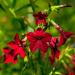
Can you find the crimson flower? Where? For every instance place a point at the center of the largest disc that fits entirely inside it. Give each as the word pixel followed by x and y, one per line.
pixel 40 18
pixel 16 48
pixel 55 53
pixel 38 40
pixel 55 43
pixel 63 37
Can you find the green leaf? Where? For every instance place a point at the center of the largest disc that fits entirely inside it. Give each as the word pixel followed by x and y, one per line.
pixel 58 73
pixel 54 8
pixel 35 1
pixel 19 22
pixel 36 6
pixel 2 8
pixel 57 2
pixel 14 3
pixel 23 7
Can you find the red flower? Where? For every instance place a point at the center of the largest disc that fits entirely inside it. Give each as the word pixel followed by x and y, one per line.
pixel 39 40
pixel 40 18
pixel 17 49
pixel 71 73
pixel 57 42
pixel 55 53
pixel 63 37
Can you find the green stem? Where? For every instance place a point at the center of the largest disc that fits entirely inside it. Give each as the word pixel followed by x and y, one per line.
pixel 32 5
pixel 12 12
pixel 52 72
pixel 6 4
pixel 56 26
pixel 23 69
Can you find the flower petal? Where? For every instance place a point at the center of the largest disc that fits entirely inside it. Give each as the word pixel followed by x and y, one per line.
pixel 13 45
pixel 40 18
pixel 31 37
pixel 52 59
pixel 9 59
pixel 53 42
pixel 21 52
pixel 57 54
pixel 6 50
pixel 64 37
pixel 39 45
pixel 17 40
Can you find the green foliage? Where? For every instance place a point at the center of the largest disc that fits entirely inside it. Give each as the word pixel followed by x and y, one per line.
pixel 16 17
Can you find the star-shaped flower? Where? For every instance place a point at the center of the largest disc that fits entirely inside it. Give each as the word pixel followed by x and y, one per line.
pixel 40 18
pixel 38 40
pixel 15 48
pixel 63 37
pixel 55 43
pixel 55 52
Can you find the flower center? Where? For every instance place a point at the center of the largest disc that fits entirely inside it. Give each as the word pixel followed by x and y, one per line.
pixel 41 17
pixel 39 37
pixel 11 52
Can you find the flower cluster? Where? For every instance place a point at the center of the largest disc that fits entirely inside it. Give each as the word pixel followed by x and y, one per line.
pixel 39 40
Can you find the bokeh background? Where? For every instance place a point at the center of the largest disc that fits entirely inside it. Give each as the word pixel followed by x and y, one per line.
pixel 16 17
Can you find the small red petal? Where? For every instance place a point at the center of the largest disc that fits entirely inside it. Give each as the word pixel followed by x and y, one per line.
pixel 16 37
pixel 31 37
pixel 57 54
pixel 6 50
pixel 21 52
pixel 53 42
pixel 39 45
pixel 14 61
pixel 63 37
pixel 17 40
pixel 43 21
pixel 38 21
pixel 54 54
pixel 13 45
pixel 52 59
pixel 8 59
pixel 68 34
pixel 71 73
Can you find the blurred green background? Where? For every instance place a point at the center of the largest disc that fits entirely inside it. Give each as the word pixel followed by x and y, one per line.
pixel 14 17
